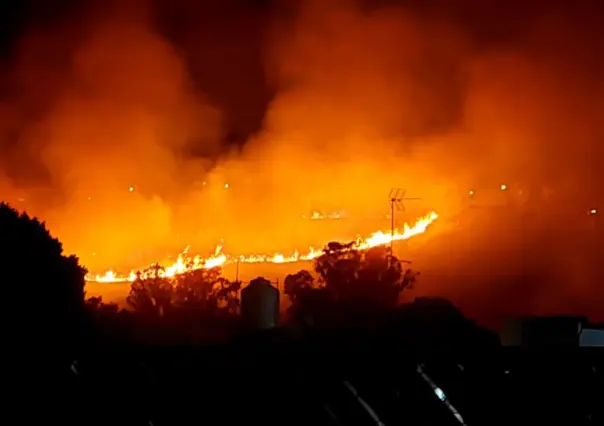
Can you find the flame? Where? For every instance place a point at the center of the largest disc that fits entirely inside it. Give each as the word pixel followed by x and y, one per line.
pixel 185 262
pixel 317 215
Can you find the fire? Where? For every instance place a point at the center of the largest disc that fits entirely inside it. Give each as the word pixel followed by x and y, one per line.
pixel 185 262
pixel 317 215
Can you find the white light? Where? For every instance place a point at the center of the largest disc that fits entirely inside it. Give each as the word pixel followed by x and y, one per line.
pixel 471 192
pixel 440 394
pixel 226 186
pixel 593 212
pixel 503 187
pixel 131 188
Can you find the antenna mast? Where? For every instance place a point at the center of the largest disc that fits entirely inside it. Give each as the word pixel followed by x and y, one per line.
pixel 395 199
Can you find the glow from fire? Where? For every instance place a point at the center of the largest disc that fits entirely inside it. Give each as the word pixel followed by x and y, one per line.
pixel 185 262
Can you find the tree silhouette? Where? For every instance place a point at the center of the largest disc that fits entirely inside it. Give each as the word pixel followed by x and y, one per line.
pixel 310 301
pixel 194 288
pixel 348 280
pixel 151 292
pixel 225 295
pixel 194 291
pixel 371 276
pixel 207 290
pixel 43 289
pixel 296 285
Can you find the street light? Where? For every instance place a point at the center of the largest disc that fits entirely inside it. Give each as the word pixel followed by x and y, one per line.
pixel 593 212
pixel 503 187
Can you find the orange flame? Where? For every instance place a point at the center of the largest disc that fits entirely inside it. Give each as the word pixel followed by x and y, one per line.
pixel 186 263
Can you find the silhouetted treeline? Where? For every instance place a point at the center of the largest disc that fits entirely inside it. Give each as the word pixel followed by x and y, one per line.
pixel 345 333
pixel 349 289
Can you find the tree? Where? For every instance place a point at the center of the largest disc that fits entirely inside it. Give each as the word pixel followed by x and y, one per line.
pixel 348 280
pixel 311 302
pixel 225 295
pixel 193 291
pixel 43 289
pixel 194 288
pixel 151 292
pixel 296 285
pixel 371 276
pixel 206 289
pixel 337 266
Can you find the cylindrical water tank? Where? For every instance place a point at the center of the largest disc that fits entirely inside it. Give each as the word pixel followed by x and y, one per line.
pixel 260 305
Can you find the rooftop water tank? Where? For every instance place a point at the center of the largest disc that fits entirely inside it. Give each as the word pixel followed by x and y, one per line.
pixel 260 305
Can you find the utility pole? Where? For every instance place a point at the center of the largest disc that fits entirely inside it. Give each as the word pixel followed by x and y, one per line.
pixel 395 199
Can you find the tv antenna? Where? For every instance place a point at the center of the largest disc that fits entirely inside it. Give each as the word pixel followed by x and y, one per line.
pixel 396 197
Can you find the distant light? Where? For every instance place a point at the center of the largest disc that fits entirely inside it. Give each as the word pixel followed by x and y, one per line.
pixel 593 212
pixel 471 192
pixel 131 188
pixel 503 187
pixel 204 182
pixel 21 200
pixel 226 186
pixel 89 198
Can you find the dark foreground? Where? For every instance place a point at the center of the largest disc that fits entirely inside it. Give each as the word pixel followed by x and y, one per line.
pixel 332 379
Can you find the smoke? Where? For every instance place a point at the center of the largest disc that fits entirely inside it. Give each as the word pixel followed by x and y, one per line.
pixel 370 98
pixel 108 115
pixel 364 96
pixel 354 115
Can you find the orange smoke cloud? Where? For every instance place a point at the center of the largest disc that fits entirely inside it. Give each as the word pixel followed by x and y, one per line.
pixel 115 137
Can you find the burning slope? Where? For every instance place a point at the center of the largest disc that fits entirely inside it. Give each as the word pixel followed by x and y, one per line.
pixel 187 262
